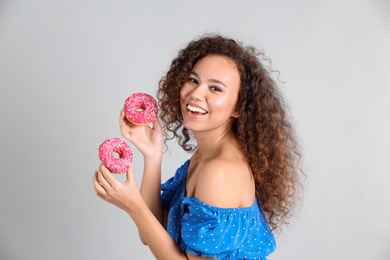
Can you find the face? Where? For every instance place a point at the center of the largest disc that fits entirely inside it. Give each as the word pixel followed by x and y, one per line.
pixel 208 99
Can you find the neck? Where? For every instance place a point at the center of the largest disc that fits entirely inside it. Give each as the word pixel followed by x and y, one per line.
pixel 208 141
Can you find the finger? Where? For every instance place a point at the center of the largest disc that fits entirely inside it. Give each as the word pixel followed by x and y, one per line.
pixel 107 176
pixel 121 118
pixel 103 173
pixel 156 124
pixel 102 181
pixel 123 121
pixel 125 124
pixel 99 190
pixel 130 175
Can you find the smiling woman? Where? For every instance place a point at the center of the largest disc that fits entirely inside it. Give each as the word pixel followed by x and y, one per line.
pixel 210 95
pixel 242 180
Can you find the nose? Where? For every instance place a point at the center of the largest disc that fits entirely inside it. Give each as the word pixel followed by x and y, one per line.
pixel 198 92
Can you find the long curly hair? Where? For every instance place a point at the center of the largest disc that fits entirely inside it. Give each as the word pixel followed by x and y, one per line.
pixel 263 129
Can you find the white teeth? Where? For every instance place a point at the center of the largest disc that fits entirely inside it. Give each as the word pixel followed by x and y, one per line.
pixel 196 109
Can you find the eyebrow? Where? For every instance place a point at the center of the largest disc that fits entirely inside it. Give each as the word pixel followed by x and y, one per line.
pixel 212 80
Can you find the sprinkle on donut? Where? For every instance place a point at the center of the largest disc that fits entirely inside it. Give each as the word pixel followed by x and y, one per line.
pixel 106 155
pixel 140 109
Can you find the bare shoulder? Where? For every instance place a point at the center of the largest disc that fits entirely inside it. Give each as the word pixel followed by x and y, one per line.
pixel 226 183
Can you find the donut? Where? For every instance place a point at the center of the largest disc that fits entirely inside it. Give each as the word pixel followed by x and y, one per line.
pixel 140 109
pixel 106 155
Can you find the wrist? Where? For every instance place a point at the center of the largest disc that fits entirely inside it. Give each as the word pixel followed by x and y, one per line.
pixel 136 205
pixel 153 159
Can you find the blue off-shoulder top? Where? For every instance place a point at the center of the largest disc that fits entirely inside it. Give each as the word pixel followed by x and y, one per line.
pixel 208 231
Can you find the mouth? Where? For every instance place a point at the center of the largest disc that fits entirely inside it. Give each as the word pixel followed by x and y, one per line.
pixel 196 110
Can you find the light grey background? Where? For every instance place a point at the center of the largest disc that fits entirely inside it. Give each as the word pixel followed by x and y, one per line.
pixel 66 68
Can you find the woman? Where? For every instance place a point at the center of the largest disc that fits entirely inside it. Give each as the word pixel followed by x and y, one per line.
pixel 221 103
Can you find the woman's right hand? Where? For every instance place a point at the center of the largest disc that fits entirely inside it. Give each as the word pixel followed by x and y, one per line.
pixel 148 140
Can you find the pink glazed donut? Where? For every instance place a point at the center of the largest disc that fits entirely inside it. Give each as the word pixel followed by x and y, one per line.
pixel 140 109
pixel 106 155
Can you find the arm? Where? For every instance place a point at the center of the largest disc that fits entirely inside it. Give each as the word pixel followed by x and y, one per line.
pixel 127 197
pixel 149 143
pixel 151 191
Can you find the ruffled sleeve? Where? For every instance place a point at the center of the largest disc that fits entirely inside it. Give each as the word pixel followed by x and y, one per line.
pixel 173 185
pixel 222 233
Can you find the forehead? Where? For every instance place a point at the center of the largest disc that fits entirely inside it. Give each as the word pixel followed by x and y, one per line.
pixel 218 67
pixel 215 59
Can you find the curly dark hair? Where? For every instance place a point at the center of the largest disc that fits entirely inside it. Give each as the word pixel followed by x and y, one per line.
pixel 263 129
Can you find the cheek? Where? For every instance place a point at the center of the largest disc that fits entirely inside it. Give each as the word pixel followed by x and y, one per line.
pixel 219 103
pixel 183 91
pixel 227 104
pixel 183 94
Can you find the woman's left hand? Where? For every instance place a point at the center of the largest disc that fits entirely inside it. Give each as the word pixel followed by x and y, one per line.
pixel 108 188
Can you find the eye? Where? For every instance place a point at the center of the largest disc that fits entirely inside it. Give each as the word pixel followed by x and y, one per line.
pixel 214 88
pixel 193 80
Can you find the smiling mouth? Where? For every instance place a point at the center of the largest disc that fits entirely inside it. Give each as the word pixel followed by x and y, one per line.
pixel 196 110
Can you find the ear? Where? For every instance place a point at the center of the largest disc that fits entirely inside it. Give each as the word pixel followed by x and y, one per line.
pixel 236 113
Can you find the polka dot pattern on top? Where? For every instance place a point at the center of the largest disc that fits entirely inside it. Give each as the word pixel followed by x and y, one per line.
pixel 208 231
